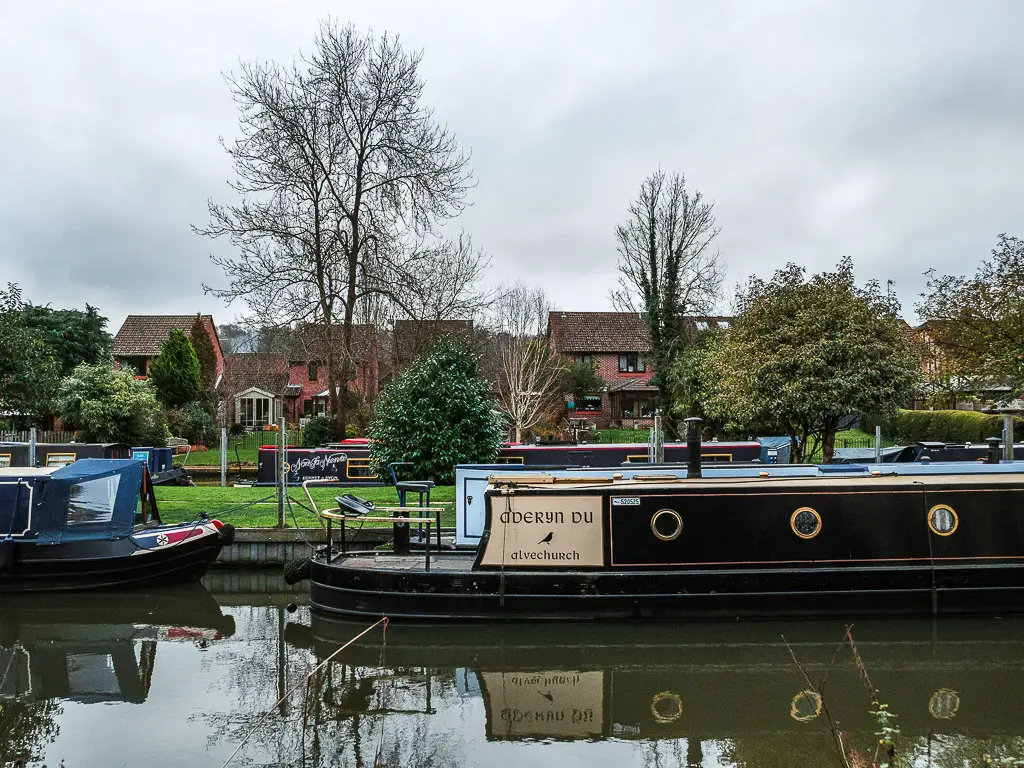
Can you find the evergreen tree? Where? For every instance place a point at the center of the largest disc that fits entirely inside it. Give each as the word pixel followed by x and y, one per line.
pixel 28 371
pixel 437 414
pixel 175 371
pixel 74 336
pixel 206 355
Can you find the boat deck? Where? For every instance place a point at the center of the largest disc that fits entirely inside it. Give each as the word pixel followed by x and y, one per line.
pixel 443 561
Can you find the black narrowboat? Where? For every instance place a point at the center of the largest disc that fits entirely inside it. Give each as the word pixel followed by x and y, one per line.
pixel 665 546
pixel 79 527
pixel 60 454
pixel 616 454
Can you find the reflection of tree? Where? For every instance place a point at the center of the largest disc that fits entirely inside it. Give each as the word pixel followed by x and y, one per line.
pixel 347 715
pixel 25 728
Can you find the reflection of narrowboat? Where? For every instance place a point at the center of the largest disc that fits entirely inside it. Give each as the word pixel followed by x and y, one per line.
pixel 663 546
pixel 78 527
pixel 702 682
pixel 101 649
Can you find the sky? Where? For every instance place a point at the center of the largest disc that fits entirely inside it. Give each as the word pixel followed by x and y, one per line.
pixel 889 132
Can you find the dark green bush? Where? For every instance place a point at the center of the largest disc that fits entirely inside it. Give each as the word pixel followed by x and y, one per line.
pixel 941 426
pixel 319 431
pixel 237 429
pixel 193 422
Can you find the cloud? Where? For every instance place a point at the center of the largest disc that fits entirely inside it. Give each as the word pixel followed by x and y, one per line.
pixel 887 132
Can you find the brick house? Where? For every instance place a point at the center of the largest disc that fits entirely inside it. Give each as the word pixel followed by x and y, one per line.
pixel 618 344
pixel 140 337
pixel 259 388
pixel 307 369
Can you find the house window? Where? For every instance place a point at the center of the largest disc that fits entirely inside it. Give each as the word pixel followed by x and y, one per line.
pixel 723 324
pixel 589 404
pixel 702 325
pixel 313 372
pixel 255 411
pixel 637 406
pixel 631 364
pixel 588 359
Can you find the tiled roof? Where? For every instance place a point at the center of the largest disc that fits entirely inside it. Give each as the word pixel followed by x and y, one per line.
pixel 598 332
pixel 632 385
pixel 144 334
pixel 588 332
pixel 244 370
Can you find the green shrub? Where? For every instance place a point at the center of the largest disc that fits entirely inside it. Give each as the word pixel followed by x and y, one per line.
pixel 941 426
pixel 193 422
pixel 108 406
pixel 237 429
pixel 319 431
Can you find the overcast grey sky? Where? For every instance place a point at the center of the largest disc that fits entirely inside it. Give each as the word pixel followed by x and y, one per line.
pixel 889 131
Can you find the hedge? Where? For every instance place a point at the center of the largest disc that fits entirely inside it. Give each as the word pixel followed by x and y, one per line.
pixel 942 426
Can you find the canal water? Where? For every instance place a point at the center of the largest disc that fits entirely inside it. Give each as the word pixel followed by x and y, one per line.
pixel 182 677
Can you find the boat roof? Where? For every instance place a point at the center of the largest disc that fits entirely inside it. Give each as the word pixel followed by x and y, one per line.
pixel 666 482
pixel 26 471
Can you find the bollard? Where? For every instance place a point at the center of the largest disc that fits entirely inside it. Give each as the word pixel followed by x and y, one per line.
pixel 693 447
pixel 993 449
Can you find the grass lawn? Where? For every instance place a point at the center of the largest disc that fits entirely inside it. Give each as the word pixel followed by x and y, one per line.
pixel 246 453
pixel 236 505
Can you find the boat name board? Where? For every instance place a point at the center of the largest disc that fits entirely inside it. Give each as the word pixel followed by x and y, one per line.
pixel 538 531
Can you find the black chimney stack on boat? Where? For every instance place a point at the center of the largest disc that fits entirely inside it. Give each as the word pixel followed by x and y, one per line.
pixel 993 449
pixel 693 447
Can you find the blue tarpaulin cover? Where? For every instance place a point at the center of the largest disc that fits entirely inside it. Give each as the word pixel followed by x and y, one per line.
pixel 90 499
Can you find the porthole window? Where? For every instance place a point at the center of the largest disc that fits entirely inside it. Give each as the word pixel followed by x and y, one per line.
pixel 805 522
pixel 805 706
pixel 666 524
pixel 942 519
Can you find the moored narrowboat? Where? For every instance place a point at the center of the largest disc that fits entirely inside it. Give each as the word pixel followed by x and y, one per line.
pixel 79 527
pixel 674 545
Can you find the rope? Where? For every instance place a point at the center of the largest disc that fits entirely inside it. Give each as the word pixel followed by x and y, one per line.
pixel 305 681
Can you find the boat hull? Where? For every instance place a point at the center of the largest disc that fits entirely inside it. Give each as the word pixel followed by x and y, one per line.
pixel 458 594
pixel 147 558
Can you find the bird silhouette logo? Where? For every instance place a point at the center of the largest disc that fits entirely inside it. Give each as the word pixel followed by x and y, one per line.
pixel 547 696
pixel 547 539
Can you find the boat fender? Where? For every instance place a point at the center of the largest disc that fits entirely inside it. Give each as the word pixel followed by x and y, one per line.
pixel 296 570
pixel 7 555
pixel 227 534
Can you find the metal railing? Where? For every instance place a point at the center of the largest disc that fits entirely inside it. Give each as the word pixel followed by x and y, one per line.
pixel 42 436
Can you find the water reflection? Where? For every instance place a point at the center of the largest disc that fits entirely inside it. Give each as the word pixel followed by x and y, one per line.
pixel 183 677
pixel 693 695
pixel 87 649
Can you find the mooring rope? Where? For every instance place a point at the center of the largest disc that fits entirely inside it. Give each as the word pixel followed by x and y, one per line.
pixel 304 681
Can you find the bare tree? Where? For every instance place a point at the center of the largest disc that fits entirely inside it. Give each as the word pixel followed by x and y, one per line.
pixel 343 176
pixel 667 265
pixel 530 372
